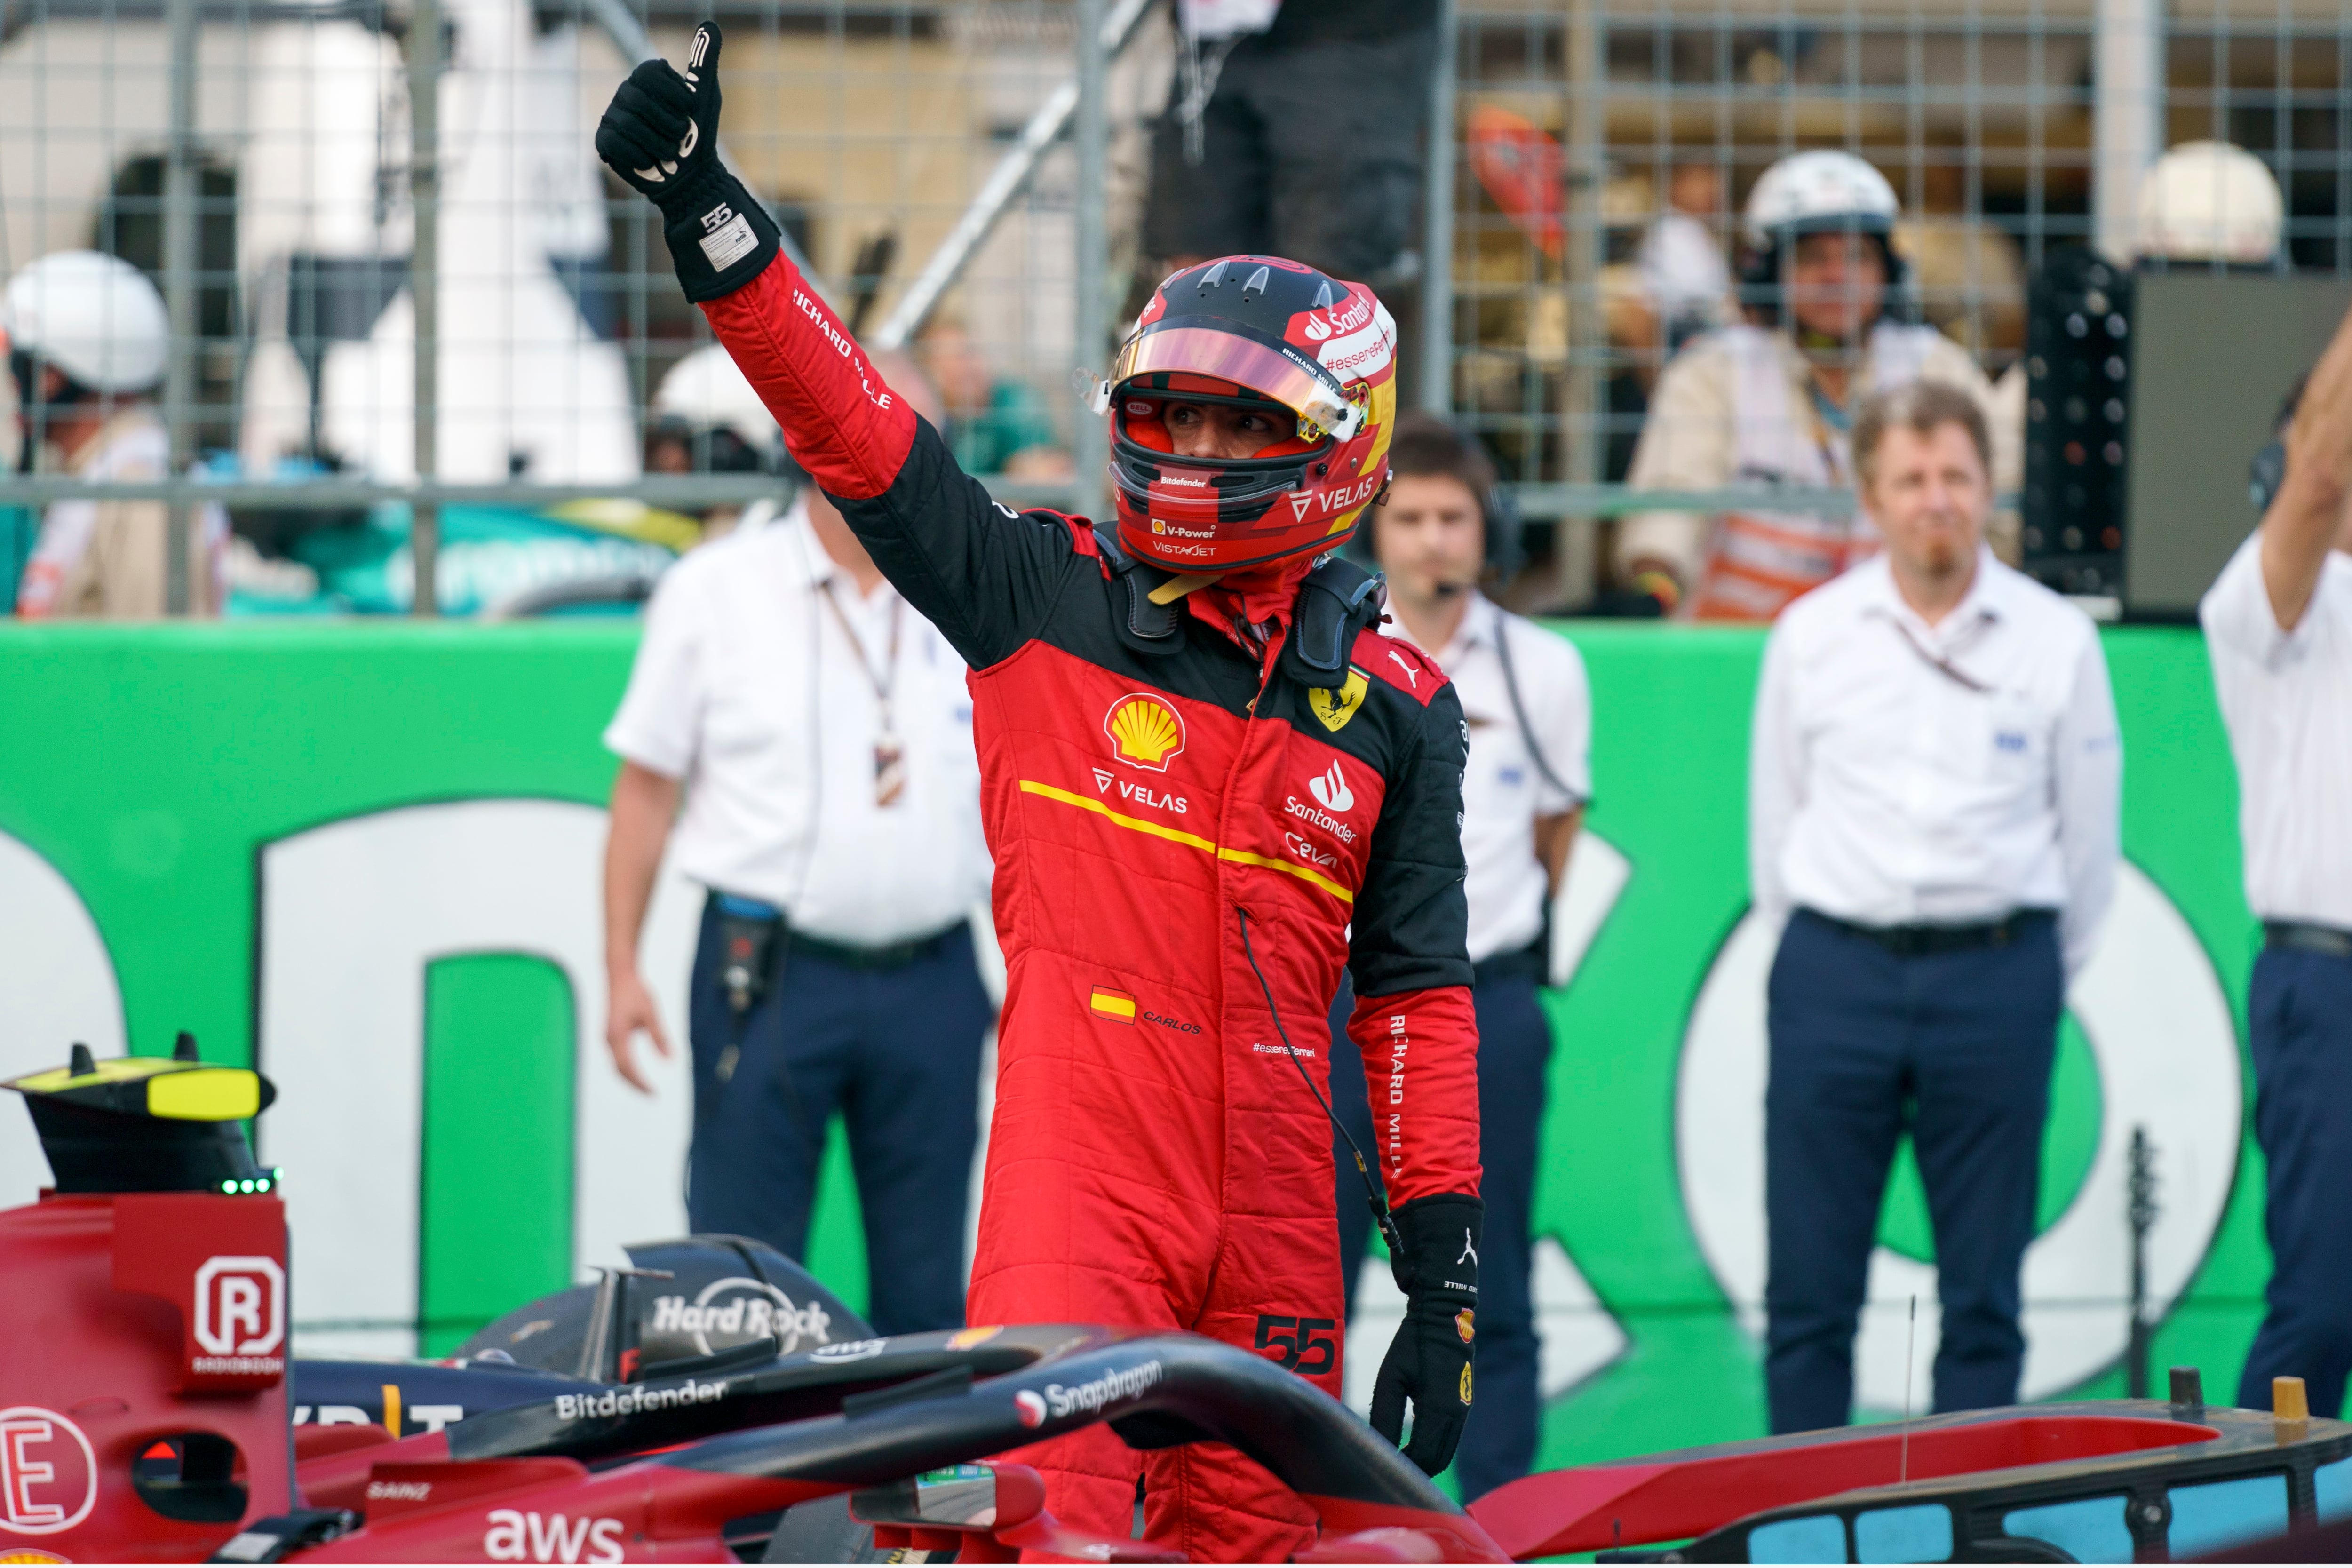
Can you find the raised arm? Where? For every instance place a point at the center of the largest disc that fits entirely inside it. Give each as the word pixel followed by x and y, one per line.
pixel 2307 518
pixel 984 575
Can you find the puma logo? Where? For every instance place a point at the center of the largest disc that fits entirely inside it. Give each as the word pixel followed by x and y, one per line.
pixel 1405 664
pixel 1469 1251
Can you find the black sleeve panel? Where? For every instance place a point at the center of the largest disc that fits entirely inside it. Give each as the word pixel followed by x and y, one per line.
pixel 985 576
pixel 1411 920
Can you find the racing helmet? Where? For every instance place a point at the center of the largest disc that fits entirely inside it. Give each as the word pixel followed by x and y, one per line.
pixel 93 317
pixel 706 401
pixel 2210 201
pixel 1252 332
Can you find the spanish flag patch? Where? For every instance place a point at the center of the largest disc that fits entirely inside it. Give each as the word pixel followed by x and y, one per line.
pixel 1114 1004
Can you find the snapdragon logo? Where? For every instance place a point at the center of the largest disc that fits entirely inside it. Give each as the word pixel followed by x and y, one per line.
pixel 637 1399
pixel 1096 1393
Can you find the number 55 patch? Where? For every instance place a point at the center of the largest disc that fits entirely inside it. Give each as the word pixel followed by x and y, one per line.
pixel 1307 1346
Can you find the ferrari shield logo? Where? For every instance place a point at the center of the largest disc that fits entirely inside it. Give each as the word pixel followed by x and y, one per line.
pixel 1335 708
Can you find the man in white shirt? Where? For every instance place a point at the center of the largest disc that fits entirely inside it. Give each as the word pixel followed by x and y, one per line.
pixel 1529 716
pixel 2278 622
pixel 1933 808
pixel 820 733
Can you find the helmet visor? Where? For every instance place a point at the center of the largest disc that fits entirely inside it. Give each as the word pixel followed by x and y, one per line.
pixel 1284 374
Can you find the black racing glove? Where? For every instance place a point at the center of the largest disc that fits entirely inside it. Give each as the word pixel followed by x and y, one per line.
pixel 660 135
pixel 1429 1362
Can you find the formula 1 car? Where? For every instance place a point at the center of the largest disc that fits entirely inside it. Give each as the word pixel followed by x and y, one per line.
pixel 153 1425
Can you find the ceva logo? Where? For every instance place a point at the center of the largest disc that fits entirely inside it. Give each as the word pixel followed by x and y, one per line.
pixel 515 1536
pixel 1330 789
pixel 240 1311
pixel 48 1472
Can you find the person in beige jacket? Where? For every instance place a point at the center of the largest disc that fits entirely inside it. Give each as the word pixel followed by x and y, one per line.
pixel 87 339
pixel 1757 404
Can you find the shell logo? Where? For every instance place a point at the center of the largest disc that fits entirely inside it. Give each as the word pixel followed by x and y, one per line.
pixel 1145 731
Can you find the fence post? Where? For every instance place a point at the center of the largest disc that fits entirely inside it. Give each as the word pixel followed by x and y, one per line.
pixel 180 261
pixel 2127 117
pixel 1091 132
pixel 1437 228
pixel 425 287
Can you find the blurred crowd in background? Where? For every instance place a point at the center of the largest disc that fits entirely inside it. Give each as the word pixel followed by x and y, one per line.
pixel 1615 217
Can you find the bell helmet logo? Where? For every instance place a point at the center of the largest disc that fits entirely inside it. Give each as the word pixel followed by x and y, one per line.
pixel 240 1308
pixel 1330 789
pixel 1144 731
pixel 48 1472
pixel 1032 1408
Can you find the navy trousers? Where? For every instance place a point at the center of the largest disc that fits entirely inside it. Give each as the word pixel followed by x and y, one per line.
pixel 896 1051
pixel 1499 1444
pixel 2300 1010
pixel 1955 1045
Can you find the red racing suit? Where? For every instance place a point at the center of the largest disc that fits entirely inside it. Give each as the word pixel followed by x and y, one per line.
pixel 1177 834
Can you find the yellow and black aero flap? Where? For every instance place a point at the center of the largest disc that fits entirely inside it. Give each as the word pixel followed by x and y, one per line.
pixel 155 1086
pixel 136 1124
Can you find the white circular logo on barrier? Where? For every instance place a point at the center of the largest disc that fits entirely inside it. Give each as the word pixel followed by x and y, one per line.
pixel 48 1473
pixel 2160 1030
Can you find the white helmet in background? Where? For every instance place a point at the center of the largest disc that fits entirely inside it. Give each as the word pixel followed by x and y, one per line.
pixel 2210 201
pixel 1818 193
pixel 94 317
pixel 707 393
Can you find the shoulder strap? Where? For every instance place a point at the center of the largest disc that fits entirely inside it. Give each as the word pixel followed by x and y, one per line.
pixel 1337 600
pixel 1144 627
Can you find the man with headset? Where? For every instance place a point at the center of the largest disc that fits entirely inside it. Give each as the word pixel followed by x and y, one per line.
pixel 1529 714
pixel 819 733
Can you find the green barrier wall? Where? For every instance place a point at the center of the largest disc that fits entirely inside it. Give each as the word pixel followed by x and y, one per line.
pixel 150 767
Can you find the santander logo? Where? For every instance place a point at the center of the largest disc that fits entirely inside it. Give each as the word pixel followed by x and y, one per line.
pixel 1330 789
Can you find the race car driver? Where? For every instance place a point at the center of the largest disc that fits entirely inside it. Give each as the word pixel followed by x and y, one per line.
pixel 1208 782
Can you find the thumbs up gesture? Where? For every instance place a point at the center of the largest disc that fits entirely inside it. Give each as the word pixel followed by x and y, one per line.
pixel 660 132
pixel 660 135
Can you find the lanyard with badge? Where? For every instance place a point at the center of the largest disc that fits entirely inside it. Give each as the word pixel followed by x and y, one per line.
pixel 889 752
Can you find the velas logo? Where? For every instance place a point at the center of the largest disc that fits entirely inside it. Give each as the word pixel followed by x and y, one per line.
pixel 1330 787
pixel 1144 731
pixel 240 1315
pixel 1031 1406
pixel 48 1472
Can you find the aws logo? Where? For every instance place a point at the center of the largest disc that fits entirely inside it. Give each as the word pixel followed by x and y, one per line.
pixel 1144 731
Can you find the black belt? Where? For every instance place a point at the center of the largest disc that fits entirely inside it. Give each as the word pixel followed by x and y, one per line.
pixel 890 955
pixel 2306 938
pixel 1532 961
pixel 1918 940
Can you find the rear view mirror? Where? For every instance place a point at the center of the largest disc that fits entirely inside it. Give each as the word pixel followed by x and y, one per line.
pixel 960 1497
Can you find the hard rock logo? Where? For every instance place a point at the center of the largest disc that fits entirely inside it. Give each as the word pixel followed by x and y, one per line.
pixel 1144 731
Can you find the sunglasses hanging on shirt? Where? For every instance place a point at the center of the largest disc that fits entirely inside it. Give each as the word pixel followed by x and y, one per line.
pixel 889 752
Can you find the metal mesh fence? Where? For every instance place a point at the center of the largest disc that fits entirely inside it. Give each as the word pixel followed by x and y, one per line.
pixel 258 161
